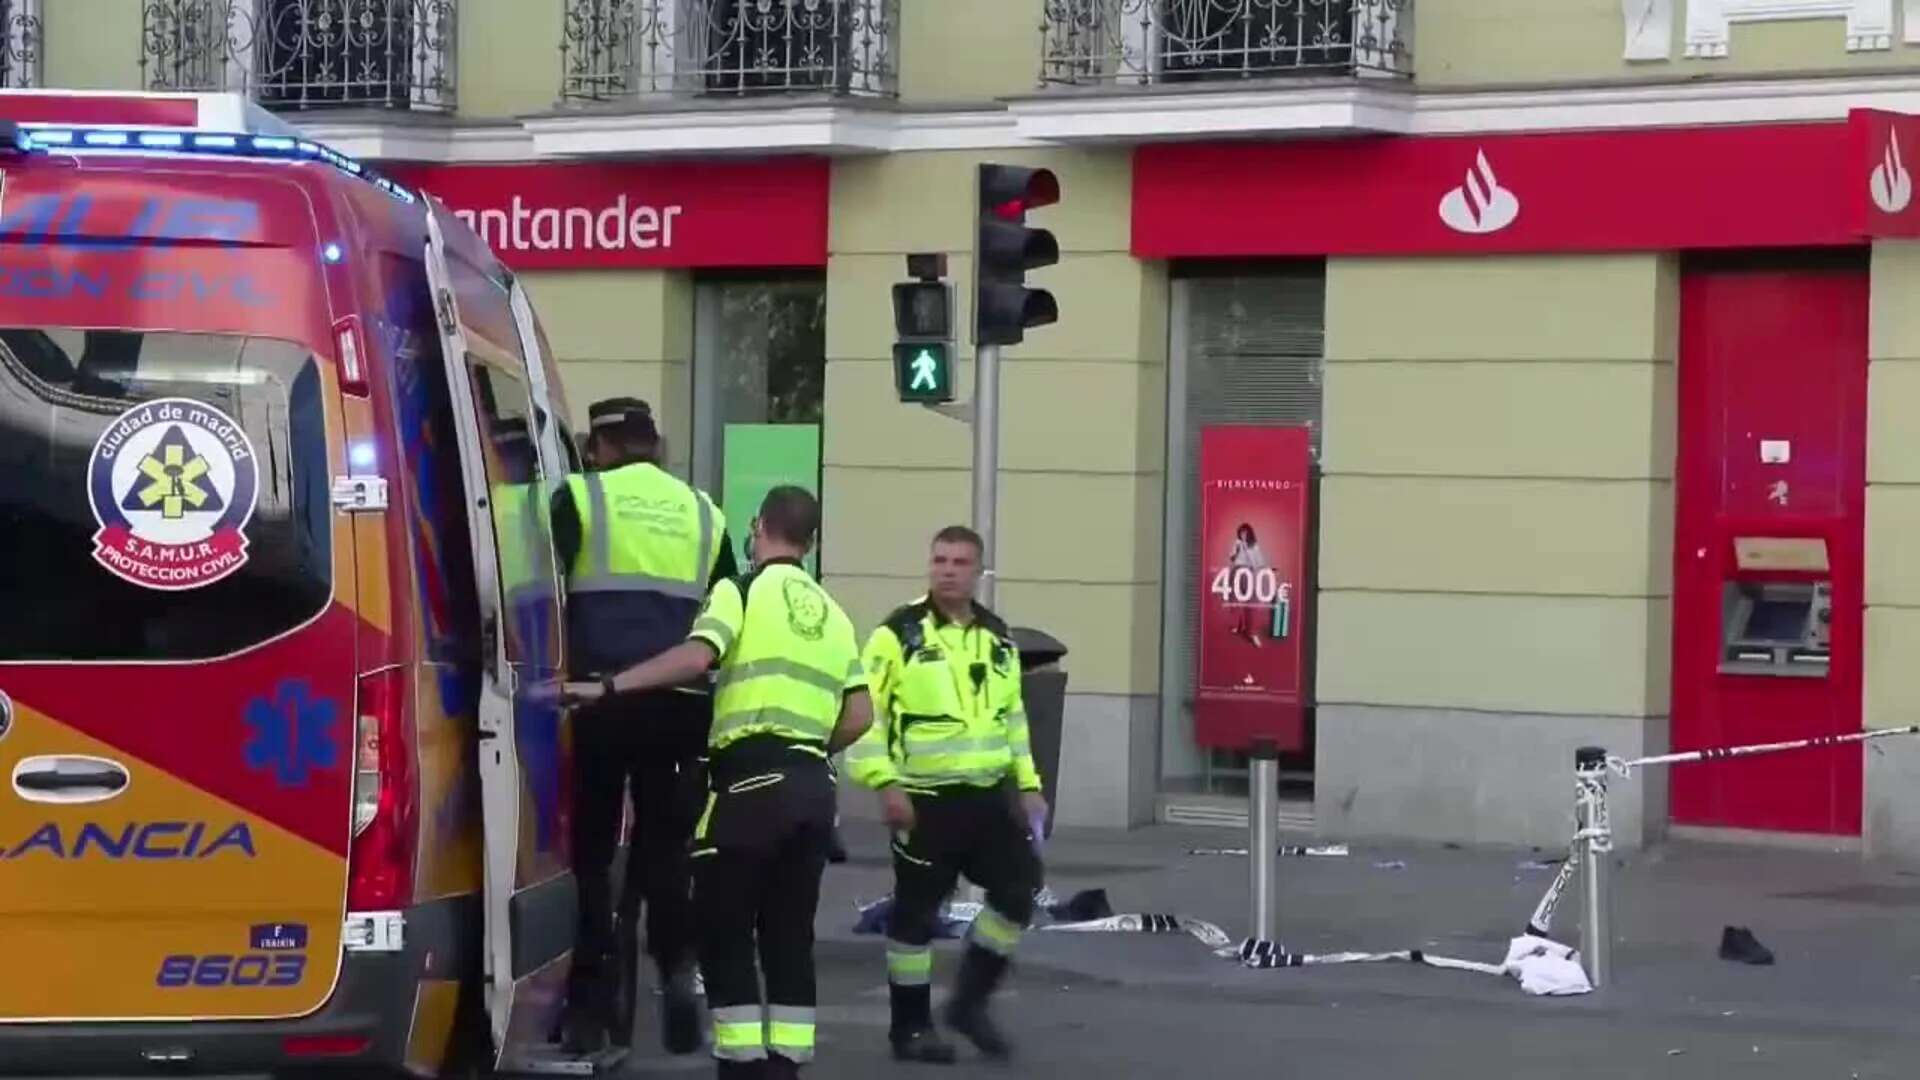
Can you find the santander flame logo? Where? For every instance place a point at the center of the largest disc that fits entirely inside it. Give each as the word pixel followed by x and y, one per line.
pixel 1891 184
pixel 1480 205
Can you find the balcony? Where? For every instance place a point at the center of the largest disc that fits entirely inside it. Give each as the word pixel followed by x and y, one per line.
pixel 1161 42
pixel 305 54
pixel 1136 70
pixel 19 44
pixel 627 50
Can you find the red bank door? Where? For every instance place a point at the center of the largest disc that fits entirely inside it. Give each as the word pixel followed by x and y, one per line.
pixel 1773 403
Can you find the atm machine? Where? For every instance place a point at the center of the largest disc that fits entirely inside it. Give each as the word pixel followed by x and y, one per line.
pixel 1776 613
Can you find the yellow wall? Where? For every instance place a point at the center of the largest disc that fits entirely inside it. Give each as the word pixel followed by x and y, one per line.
pixel 968 50
pixel 1082 424
pixel 1496 522
pixel 1893 488
pixel 509 58
pixel 1472 42
pixel 622 333
pixel 91 44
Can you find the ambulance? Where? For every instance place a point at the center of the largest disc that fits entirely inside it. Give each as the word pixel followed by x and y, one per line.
pixel 280 625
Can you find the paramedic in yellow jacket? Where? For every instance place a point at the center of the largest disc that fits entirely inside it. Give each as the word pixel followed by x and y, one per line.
pixel 950 755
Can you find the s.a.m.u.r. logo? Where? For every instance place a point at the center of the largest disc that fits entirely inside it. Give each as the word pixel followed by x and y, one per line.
pixel 172 483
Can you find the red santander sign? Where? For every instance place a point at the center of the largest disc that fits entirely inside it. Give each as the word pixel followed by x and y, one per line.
pixel 1761 185
pixel 623 215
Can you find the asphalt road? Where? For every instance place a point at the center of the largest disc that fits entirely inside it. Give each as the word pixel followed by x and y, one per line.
pixel 1075 1025
pixel 1843 1002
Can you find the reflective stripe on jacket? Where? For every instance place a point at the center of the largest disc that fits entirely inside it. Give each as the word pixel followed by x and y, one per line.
pixel 787 652
pixel 947 705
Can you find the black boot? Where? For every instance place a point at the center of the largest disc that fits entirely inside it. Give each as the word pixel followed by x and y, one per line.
pixel 741 1070
pixel 625 962
pixel 980 972
pixel 1738 944
pixel 912 1033
pixel 779 1068
pixel 679 1011
pixel 585 1028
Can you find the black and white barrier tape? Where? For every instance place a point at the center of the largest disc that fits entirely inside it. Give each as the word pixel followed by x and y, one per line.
pixel 1719 753
pixel 1286 851
pixel 1255 953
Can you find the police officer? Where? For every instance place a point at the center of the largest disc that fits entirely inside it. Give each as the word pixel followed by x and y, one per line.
pixel 640 548
pixel 951 758
pixel 790 691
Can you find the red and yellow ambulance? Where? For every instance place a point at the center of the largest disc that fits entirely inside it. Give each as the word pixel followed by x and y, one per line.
pixel 284 775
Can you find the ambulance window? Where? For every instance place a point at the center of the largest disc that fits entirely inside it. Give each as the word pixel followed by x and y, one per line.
pixel 166 497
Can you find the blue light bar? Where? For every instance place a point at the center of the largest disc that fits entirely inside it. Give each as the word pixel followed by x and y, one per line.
pixel 138 140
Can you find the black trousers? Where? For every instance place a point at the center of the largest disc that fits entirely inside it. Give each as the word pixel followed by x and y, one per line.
pixel 981 833
pixel 649 744
pixel 758 857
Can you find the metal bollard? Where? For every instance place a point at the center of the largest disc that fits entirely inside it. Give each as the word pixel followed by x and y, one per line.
pixel 1595 827
pixel 1263 840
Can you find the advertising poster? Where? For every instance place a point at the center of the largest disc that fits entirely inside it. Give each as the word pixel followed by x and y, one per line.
pixel 1252 561
pixel 758 458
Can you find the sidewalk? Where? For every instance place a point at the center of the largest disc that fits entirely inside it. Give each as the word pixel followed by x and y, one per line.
pixel 1842 1000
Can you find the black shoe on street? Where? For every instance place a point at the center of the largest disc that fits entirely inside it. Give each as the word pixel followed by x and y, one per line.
pixel 680 1013
pixel 970 1019
pixel 924 1046
pixel 1738 944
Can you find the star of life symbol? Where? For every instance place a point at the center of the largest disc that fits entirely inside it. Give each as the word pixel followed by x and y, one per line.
pixel 172 484
pixel 1480 204
pixel 1890 184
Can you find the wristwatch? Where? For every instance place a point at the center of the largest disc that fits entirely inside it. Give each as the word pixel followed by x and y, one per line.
pixel 606 687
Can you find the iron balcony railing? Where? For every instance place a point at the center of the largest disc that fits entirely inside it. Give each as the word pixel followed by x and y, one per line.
pixel 305 54
pixel 1088 42
pixel 621 49
pixel 19 44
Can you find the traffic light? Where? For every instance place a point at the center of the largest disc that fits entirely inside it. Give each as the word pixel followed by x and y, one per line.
pixel 923 323
pixel 923 372
pixel 1005 248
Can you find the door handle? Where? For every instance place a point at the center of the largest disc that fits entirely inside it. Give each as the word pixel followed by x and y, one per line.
pixel 69 778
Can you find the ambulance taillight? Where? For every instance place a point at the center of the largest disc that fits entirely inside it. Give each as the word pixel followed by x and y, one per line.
pixel 386 797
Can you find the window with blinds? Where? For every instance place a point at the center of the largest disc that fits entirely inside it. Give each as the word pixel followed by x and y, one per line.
pixel 1254 348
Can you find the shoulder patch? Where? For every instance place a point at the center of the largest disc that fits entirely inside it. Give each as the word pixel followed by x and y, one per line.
pixel 905 622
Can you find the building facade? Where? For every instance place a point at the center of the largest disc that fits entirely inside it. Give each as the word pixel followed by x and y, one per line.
pixel 1598 313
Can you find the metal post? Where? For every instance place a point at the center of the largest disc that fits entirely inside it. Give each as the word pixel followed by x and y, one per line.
pixel 1263 840
pixel 986 460
pixel 986 477
pixel 1596 931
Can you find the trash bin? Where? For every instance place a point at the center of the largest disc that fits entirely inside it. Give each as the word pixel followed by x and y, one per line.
pixel 1043 686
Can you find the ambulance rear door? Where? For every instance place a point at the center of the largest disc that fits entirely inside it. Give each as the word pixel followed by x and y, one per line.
pixel 529 887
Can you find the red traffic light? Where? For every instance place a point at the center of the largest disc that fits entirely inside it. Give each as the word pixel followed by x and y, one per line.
pixel 1009 191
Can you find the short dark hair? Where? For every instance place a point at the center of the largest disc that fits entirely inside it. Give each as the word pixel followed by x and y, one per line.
pixel 960 534
pixel 790 514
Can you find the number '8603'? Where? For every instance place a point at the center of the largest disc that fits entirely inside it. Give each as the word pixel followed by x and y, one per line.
pixel 212 971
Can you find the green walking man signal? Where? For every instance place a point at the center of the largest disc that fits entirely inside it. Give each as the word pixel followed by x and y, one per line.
pixel 923 371
pixel 923 323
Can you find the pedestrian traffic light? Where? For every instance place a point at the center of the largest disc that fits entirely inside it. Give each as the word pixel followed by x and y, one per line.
pixel 1005 248
pixel 923 321
pixel 923 372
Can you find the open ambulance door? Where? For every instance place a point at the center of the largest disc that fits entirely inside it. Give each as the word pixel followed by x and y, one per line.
pixel 530 893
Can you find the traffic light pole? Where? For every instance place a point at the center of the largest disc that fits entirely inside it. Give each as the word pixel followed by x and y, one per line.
pixel 986 461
